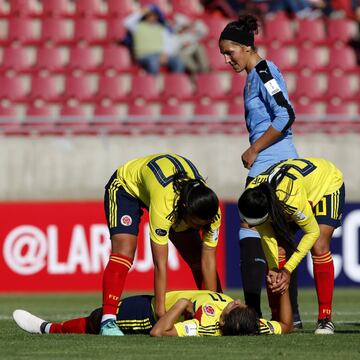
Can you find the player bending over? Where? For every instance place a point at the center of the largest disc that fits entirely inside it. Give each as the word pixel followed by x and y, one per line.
pixel 189 313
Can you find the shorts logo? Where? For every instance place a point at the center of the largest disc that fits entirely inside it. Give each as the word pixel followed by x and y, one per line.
pixel 209 310
pixel 126 220
pixel 161 232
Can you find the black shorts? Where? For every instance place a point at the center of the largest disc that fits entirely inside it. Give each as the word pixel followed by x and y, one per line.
pixel 135 315
pixel 123 211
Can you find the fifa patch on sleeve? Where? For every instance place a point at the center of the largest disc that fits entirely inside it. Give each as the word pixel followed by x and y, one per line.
pixel 215 235
pixel 272 87
pixel 299 216
pixel 190 329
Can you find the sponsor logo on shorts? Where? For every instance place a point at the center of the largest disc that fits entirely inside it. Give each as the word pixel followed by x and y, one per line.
pixel 161 232
pixel 209 310
pixel 126 220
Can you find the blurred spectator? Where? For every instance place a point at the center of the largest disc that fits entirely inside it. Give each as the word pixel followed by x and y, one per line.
pixel 150 38
pixel 186 42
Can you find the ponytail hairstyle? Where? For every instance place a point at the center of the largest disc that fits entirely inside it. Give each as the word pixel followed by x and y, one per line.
pixel 193 198
pixel 261 202
pixel 241 31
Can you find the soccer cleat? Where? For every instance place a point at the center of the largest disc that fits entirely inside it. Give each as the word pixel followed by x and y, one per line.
pixel 325 327
pixel 297 325
pixel 29 322
pixel 110 328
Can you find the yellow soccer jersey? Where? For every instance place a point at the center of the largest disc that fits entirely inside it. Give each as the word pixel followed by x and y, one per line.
pixel 150 180
pixel 307 181
pixel 208 306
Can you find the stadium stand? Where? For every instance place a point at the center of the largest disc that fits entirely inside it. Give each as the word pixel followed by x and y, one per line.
pixel 57 53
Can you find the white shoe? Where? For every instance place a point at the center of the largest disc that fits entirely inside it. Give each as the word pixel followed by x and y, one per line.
pixel 325 327
pixel 28 322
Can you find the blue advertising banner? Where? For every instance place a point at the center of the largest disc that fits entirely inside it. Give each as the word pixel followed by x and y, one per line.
pixel 345 248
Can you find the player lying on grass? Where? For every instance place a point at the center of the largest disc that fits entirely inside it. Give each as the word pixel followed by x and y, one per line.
pixel 189 313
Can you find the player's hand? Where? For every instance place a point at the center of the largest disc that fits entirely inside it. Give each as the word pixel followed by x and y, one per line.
pixel 248 157
pixel 280 282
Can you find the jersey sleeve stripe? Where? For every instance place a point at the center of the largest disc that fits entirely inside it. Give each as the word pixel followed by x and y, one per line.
pixel 265 75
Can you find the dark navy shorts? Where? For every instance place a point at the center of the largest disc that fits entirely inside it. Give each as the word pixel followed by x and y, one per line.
pixel 123 211
pixel 329 209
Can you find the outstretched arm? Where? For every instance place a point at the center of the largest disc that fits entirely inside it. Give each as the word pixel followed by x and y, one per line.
pixel 208 267
pixel 285 310
pixel 160 257
pixel 165 325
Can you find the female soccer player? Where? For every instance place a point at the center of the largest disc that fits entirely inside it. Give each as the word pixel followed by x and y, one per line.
pixel 189 313
pixel 310 193
pixel 179 204
pixel 269 116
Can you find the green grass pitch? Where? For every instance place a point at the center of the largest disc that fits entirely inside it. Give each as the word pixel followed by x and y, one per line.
pixel 16 344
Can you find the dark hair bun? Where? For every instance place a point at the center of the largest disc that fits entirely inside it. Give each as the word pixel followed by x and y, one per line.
pixel 248 22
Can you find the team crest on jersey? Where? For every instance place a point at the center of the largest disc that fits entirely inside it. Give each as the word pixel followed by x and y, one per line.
pixel 161 232
pixel 209 310
pixel 126 220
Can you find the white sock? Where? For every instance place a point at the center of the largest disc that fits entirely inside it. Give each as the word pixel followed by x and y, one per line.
pixel 107 317
pixel 47 328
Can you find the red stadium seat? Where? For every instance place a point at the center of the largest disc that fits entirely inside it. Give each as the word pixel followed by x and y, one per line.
pixel 341 60
pixel 78 88
pixel 121 8
pixel 237 109
pixel 215 26
pixel 24 8
pixel 55 30
pixel 144 87
pixel 310 31
pixel 109 110
pixel 305 109
pixel 82 59
pixel 211 110
pixel 340 31
pixel 45 111
pixel 115 30
pixel 12 88
pixel 88 30
pixel 16 59
pixel 278 31
pixel 112 88
pixel 7 111
pixel 89 8
pixel 338 109
pixel 216 59
pixel 50 59
pixel 140 110
pixel 280 57
pixel 340 88
pixel 116 59
pixel 57 8
pixel 191 8
pixel 209 86
pixel 307 89
pixel 43 88
pixel 236 88
pixel 76 112
pixel 177 86
pixel 21 30
pixel 177 110
pixel 309 59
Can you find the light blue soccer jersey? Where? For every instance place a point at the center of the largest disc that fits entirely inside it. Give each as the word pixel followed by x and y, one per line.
pixel 267 104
